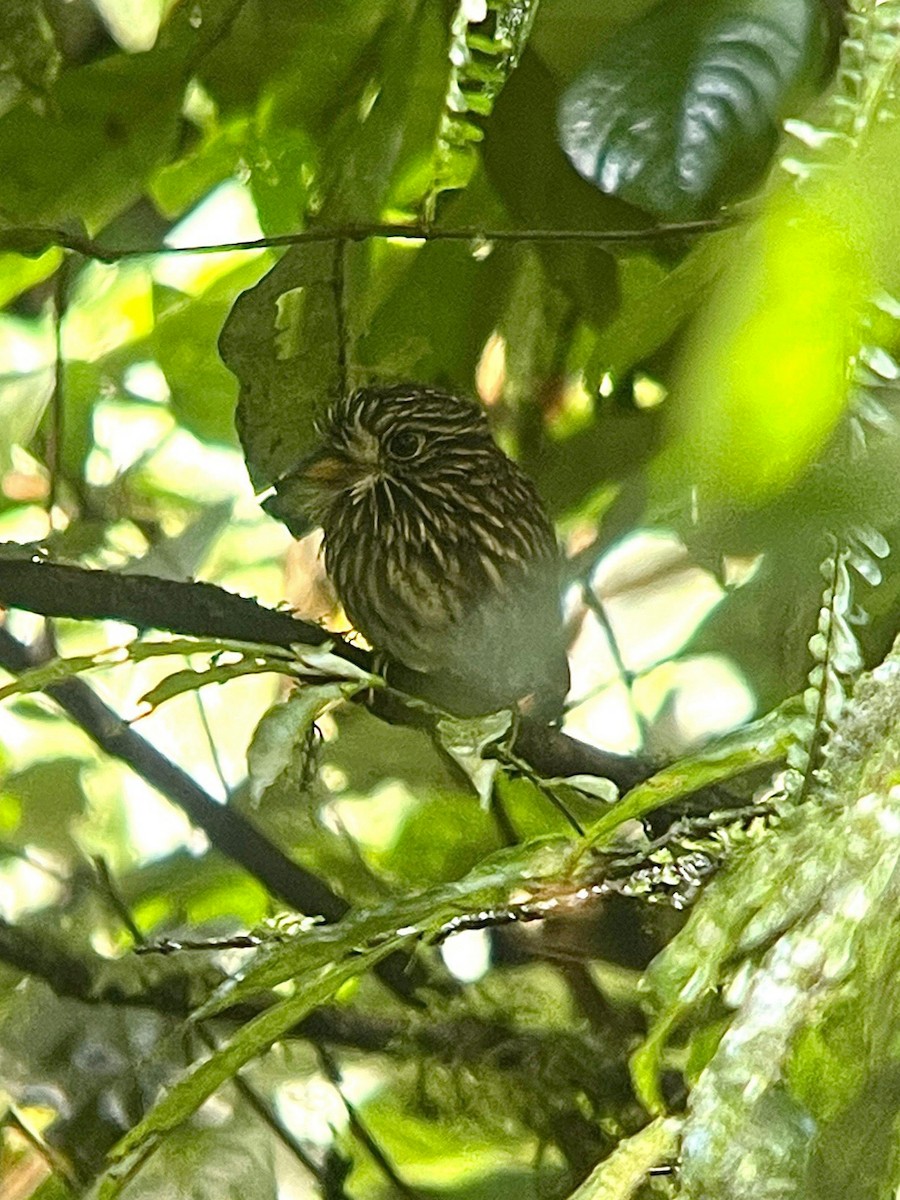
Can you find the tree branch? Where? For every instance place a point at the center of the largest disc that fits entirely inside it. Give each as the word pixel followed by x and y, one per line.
pixel 227 829
pixel 205 610
pixel 171 991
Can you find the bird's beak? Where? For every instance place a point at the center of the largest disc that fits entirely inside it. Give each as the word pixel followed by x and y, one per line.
pixel 302 493
pixel 325 469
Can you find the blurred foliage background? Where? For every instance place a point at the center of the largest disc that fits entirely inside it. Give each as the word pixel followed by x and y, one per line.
pixel 661 243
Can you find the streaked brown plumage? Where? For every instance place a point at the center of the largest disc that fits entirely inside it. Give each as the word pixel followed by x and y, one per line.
pixel 439 547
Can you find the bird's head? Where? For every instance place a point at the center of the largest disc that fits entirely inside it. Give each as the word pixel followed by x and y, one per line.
pixel 386 448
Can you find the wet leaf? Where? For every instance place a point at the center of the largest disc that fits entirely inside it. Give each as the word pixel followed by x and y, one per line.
pixel 682 109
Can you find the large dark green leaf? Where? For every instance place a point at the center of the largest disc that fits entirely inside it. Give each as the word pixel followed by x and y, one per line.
pixel 184 344
pixel 681 110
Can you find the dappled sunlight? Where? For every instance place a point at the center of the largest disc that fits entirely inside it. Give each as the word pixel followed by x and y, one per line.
pixel 285 912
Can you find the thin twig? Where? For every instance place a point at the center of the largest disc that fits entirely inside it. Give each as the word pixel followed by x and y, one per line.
pixel 509 758
pixel 227 790
pixel 56 434
pixel 627 676
pixel 360 1130
pixel 35 236
pixel 114 899
pixel 58 1164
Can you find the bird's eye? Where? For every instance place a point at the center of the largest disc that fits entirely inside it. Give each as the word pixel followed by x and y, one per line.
pixel 405 445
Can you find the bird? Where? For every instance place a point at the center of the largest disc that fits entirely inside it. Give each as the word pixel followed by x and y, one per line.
pixel 438 547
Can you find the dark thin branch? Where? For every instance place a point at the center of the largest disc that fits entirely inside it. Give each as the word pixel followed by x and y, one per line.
pixel 227 829
pixel 361 1130
pixel 626 675
pixel 58 1163
pixel 205 610
pixel 33 239
pixel 172 991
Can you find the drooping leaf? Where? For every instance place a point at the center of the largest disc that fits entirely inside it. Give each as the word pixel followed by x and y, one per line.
pixel 282 340
pixel 283 727
pixel 189 680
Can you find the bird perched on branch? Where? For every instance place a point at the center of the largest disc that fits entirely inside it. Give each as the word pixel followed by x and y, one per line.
pixel 438 547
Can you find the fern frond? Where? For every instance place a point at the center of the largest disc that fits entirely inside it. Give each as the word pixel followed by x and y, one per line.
pixel 487 40
pixel 837 657
pixel 864 93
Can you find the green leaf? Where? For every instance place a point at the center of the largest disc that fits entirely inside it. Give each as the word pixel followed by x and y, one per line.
pixel 19 272
pixel 282 341
pixel 467 739
pixel 424 914
pixel 189 680
pixel 107 126
pixel 786 313
pixel 183 342
pixel 681 111
pixel 762 742
pixel 656 301
pixel 53 672
pixel 40 805
pixel 186 1096
pixel 283 727
pixel 425 311
pixel 253 660
pixel 229 1159
pixel 825 881
pixel 303 61
pixel 23 401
